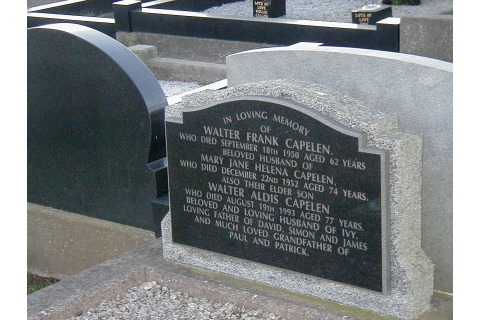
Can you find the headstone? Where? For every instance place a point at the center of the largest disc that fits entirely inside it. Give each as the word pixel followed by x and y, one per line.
pixel 418 89
pixel 371 14
pixel 95 120
pixel 269 8
pixel 296 186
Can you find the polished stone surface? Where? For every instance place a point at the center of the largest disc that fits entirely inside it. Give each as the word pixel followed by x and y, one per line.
pixel 95 119
pixel 269 8
pixel 302 197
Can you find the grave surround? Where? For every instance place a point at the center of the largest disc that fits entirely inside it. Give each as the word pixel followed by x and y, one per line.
pixel 407 272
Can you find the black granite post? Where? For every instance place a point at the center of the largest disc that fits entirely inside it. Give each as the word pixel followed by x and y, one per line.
pixel 121 12
pixel 269 8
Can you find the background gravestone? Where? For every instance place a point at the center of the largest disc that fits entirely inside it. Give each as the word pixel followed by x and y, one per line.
pixel 269 8
pixel 302 178
pixel 95 119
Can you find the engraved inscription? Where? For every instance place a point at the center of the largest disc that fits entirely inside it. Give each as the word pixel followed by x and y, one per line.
pixel 261 8
pixel 268 183
pixel 363 17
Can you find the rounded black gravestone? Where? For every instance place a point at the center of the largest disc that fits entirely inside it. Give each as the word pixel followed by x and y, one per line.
pixel 95 119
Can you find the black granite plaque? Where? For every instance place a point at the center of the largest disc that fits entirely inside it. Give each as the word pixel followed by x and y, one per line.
pixel 269 8
pixel 263 181
pixel 371 14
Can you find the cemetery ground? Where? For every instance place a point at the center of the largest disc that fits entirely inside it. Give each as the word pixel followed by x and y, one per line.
pixel 140 284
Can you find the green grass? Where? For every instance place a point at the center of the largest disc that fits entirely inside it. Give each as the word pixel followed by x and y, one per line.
pixel 35 283
pixel 87 13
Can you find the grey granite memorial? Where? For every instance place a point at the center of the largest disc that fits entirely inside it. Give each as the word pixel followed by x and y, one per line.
pixel 96 143
pixel 418 89
pixel 299 187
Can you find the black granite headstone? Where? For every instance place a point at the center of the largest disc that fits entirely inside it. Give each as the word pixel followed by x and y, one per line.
pixel 371 14
pixel 263 181
pixel 269 8
pixel 95 120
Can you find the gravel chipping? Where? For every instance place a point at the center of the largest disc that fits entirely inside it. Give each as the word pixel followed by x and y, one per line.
pixel 332 10
pixel 152 301
pixel 171 88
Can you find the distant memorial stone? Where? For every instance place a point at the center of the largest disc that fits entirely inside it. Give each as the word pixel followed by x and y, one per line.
pixel 269 8
pixel 371 14
pixel 95 120
pixel 293 185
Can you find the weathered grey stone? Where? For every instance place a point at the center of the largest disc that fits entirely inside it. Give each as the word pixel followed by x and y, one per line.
pixel 89 288
pixel 410 273
pixel 105 281
pixel 144 52
pixel 61 243
pixel 188 48
pixel 418 89
pixel 186 70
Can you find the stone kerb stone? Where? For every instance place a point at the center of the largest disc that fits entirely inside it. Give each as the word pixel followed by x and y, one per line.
pixel 407 270
pixel 428 36
pixel 418 89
